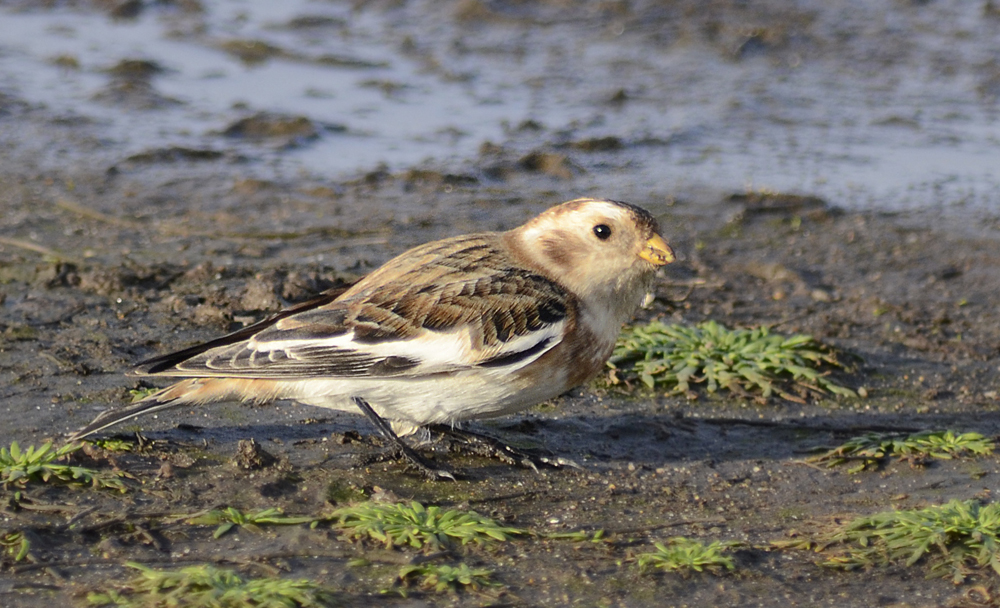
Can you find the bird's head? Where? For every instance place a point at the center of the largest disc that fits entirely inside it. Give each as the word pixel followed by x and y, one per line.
pixel 596 248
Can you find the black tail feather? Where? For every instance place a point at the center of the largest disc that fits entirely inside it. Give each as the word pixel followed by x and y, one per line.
pixel 114 416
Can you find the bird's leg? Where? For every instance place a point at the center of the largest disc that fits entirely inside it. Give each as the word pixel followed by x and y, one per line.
pixel 494 448
pixel 386 431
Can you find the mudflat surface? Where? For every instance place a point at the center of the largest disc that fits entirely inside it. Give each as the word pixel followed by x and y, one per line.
pixel 110 254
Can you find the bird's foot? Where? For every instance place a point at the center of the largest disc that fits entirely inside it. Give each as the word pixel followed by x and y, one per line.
pixel 484 445
pixel 399 446
pixel 426 468
pixel 393 453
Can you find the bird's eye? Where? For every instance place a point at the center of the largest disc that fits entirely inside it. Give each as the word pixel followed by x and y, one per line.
pixel 602 231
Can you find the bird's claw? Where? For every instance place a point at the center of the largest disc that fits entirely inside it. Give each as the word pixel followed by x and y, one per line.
pixel 484 445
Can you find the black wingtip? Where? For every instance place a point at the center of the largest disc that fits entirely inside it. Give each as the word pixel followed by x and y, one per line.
pixel 163 363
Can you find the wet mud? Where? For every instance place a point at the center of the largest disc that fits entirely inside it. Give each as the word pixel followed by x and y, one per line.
pixel 114 249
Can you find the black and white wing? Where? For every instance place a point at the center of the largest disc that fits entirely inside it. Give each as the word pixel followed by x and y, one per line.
pixel 451 305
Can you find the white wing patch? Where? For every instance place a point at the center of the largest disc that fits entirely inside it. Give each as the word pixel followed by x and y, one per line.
pixel 432 352
pixel 447 351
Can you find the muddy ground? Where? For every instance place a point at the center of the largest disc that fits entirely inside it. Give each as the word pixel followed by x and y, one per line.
pixel 915 303
pixel 108 258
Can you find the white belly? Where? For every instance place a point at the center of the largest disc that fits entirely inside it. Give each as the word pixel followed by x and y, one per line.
pixel 442 399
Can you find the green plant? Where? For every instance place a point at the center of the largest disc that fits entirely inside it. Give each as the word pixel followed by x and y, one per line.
pixel 138 394
pixel 18 467
pixel 681 554
pixel 740 360
pixel 15 544
pixel 442 577
pixel 953 536
pixel 418 526
pixel 231 517
pixel 869 450
pixel 206 586
pixel 111 444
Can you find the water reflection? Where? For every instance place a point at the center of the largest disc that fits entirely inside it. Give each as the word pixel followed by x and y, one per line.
pixel 410 85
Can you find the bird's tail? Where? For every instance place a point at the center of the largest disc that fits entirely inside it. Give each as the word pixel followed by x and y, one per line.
pixel 111 417
pixel 195 391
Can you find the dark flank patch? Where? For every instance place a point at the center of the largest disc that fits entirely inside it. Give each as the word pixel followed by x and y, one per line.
pixel 511 358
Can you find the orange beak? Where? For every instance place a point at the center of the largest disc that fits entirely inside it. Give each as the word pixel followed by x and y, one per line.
pixel 657 252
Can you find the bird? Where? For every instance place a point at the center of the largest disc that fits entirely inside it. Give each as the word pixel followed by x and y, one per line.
pixel 465 328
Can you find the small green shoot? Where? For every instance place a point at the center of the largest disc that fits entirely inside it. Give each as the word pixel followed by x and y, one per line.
pixel 953 537
pixel 868 451
pixel 681 554
pixel 15 544
pixel 418 526
pixel 441 577
pixel 206 586
pixel 230 517
pixel 111 444
pixel 18 467
pixel 739 360
pixel 138 394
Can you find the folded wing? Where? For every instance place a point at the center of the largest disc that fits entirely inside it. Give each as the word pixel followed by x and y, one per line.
pixel 451 316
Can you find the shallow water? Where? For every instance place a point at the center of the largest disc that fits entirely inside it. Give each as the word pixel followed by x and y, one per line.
pixel 868 105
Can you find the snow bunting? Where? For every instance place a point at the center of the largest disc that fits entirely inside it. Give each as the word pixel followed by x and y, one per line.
pixel 468 327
